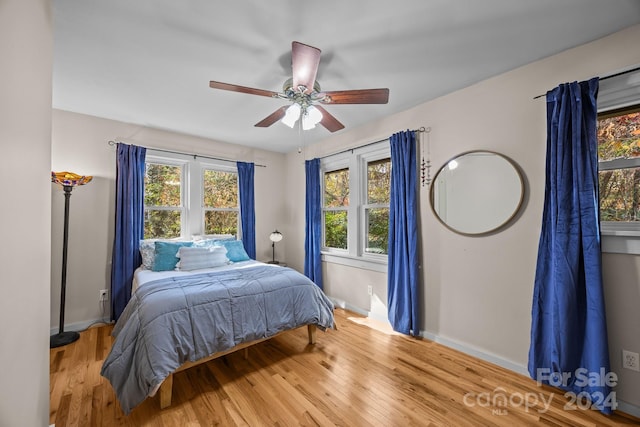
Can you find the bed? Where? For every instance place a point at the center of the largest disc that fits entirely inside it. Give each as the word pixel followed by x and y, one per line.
pixel 178 319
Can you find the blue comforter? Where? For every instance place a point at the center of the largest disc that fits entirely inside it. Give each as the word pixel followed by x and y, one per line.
pixel 174 320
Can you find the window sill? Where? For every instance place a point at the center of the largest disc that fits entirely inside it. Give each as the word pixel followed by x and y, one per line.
pixel 379 265
pixel 620 243
pixel 620 238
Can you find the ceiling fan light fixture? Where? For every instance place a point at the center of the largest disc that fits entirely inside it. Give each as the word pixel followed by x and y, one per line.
pixel 311 118
pixel 291 115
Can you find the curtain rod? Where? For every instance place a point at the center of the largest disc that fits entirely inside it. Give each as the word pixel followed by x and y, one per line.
pixel 112 143
pixel 621 73
pixel 421 129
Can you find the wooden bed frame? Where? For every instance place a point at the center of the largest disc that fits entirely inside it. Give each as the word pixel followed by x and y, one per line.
pixel 167 385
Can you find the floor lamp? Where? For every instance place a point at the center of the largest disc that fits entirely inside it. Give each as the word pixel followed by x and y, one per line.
pixel 67 180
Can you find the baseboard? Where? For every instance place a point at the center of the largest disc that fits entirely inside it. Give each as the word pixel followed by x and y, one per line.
pixel 345 305
pixel 628 408
pixel 79 326
pixel 487 357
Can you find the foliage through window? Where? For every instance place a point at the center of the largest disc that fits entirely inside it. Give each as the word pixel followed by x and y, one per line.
pixel 376 208
pixel 220 202
pixel 336 204
pixel 356 195
pixel 162 200
pixel 619 164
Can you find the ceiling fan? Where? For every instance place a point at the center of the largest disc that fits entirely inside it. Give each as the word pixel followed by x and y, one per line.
pixel 305 95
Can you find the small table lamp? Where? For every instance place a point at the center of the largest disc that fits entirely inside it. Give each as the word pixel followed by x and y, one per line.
pixel 67 180
pixel 276 236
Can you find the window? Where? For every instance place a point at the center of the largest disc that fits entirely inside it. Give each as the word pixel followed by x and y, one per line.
pixel 619 162
pixel 376 208
pixel 356 196
pixel 336 205
pixel 220 202
pixel 163 207
pixel 619 165
pixel 186 196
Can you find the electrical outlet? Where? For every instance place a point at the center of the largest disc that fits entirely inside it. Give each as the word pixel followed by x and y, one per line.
pixel 630 360
pixel 103 295
pixel 370 290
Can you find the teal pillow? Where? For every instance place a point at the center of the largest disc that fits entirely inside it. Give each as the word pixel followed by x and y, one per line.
pixel 235 250
pixel 166 259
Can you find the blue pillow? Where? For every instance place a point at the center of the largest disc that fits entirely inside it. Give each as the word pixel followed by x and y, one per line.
pixel 166 259
pixel 235 250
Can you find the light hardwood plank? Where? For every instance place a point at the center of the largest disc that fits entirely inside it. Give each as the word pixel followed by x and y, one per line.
pixel 356 375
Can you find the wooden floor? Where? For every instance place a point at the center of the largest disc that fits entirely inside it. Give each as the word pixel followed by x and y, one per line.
pixel 356 376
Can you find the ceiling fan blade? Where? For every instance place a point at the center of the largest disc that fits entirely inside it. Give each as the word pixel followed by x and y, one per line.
pixel 272 118
pixel 328 121
pixel 243 89
pixel 358 96
pixel 304 64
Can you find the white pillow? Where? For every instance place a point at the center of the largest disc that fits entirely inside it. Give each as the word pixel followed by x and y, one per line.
pixel 194 258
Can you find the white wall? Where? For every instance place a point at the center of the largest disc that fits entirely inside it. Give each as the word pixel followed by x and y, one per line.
pixel 477 292
pixel 80 145
pixel 26 40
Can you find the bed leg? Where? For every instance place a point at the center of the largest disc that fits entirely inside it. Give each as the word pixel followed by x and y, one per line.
pixel 246 353
pixel 311 330
pixel 165 392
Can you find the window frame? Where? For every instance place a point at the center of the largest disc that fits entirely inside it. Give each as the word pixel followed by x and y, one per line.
pixel 192 188
pixel 184 173
pixel 204 166
pixel 370 157
pixel 356 161
pixel 619 93
pixel 333 166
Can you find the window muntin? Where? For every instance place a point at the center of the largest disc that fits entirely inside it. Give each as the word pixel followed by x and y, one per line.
pixel 163 201
pixel 335 208
pixel 619 165
pixel 221 211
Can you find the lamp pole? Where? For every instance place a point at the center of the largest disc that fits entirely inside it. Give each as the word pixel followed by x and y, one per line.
pixel 62 337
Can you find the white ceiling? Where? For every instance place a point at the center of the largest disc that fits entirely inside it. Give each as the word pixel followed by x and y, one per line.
pixel 149 62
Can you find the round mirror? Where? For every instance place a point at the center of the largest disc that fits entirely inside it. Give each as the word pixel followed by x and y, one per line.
pixel 477 192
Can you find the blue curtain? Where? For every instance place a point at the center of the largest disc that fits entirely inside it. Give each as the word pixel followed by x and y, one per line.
pixel 402 277
pixel 247 207
pixel 568 328
pixel 313 223
pixel 129 229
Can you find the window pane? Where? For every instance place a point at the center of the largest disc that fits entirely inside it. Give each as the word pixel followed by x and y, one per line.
pixel 620 194
pixel 220 189
pixel 619 136
pixel 161 224
pixel 377 230
pixel 335 229
pixel 162 185
pixel 378 181
pixel 221 222
pixel 336 188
